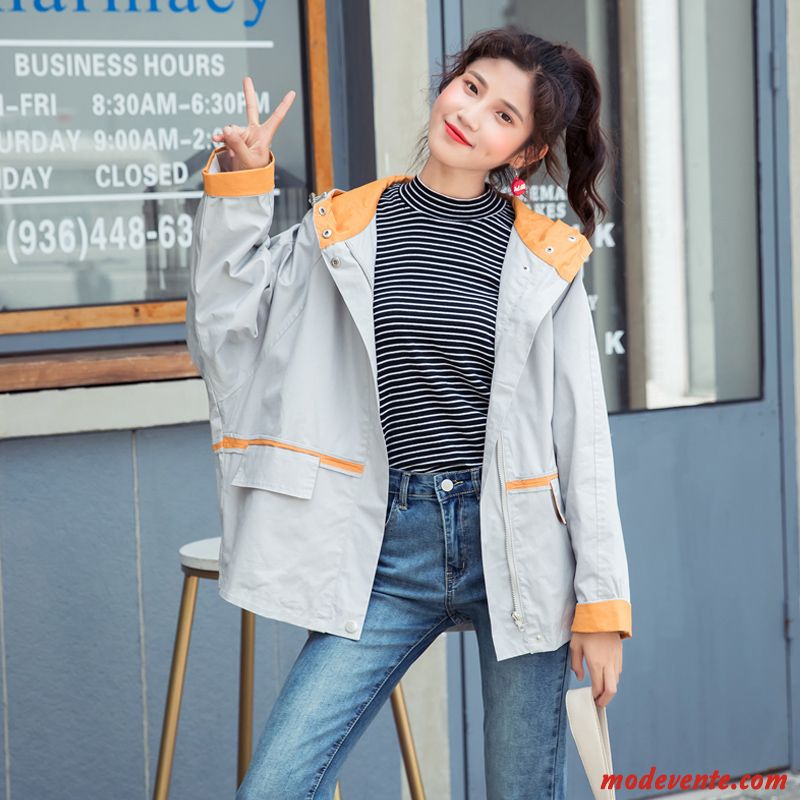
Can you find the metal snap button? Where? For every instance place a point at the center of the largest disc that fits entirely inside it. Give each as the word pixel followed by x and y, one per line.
pixel 447 484
pixel 525 267
pixel 350 626
pixel 326 233
pixel 572 238
pixel 549 249
pixel 323 210
pixel 335 261
pixel 538 636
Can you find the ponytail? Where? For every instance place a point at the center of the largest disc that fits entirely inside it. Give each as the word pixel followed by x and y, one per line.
pixel 586 144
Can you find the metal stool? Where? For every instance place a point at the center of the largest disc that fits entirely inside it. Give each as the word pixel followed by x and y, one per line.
pixel 200 559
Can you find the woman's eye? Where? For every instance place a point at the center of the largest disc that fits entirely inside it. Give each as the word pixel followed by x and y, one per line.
pixel 471 84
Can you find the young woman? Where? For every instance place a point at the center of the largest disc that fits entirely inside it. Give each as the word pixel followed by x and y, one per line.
pixel 411 429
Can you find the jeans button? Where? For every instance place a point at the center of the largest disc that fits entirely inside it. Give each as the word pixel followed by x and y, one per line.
pixel 447 484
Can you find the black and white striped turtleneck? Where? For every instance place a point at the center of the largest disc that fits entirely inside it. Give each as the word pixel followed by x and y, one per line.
pixel 437 277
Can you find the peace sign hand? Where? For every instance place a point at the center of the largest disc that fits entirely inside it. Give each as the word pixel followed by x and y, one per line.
pixel 249 147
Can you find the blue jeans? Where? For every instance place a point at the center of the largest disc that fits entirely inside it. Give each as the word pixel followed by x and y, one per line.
pixel 429 578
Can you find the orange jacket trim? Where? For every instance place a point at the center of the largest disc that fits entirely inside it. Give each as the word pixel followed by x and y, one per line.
pixel 524 483
pixel 605 615
pixel 230 442
pixel 238 182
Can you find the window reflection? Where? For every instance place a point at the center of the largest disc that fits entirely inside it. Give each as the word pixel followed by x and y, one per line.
pixel 105 127
pixel 674 275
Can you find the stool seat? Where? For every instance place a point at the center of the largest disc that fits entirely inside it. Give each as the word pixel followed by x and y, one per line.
pixel 201 554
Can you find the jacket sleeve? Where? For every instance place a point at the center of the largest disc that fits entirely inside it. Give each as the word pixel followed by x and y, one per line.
pixel 585 465
pixel 232 272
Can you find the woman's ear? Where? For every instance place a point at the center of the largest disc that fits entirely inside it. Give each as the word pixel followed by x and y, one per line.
pixel 525 156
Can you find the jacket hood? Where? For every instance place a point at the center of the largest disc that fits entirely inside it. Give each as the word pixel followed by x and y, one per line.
pixel 553 241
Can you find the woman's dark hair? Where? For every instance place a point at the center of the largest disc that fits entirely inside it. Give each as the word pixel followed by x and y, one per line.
pixel 565 100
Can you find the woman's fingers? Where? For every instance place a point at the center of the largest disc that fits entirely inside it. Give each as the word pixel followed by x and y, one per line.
pixel 277 116
pixel 226 133
pixel 235 143
pixel 576 659
pixel 609 685
pixel 596 675
pixel 250 101
pixel 249 145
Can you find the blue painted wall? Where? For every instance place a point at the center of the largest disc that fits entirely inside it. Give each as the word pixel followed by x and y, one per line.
pixel 90 526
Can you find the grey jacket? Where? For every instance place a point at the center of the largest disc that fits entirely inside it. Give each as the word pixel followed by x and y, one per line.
pixel 281 328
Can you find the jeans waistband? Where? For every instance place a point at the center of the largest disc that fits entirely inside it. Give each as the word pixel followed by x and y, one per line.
pixel 429 484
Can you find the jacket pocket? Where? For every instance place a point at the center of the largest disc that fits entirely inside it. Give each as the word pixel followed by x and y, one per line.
pixel 543 482
pixel 278 469
pixel 555 493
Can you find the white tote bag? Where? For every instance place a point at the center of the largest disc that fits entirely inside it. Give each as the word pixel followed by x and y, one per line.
pixel 589 728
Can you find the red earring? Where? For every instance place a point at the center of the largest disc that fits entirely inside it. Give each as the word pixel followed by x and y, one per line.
pixel 518 186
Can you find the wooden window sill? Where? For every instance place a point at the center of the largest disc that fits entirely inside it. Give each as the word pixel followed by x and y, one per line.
pixel 95 367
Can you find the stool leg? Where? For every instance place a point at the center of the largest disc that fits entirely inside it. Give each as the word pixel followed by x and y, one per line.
pixel 407 743
pixel 180 654
pixel 246 674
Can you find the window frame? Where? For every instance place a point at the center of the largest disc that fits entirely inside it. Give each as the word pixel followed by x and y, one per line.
pixel 92 366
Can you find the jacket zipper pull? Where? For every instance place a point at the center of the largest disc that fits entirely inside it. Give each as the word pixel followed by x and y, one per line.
pixel 313 198
pixel 517 618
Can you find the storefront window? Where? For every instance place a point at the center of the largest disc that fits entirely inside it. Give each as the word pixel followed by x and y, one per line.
pixel 106 116
pixel 674 274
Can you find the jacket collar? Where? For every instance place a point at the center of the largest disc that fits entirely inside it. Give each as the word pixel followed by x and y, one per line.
pixel 340 215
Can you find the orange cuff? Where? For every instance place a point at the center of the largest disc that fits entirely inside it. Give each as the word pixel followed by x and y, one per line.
pixel 239 182
pixel 605 615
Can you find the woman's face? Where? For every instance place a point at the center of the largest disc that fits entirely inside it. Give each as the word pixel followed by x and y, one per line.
pixel 490 105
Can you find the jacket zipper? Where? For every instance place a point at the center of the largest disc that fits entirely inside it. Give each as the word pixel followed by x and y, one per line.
pixel 315 198
pixel 516 614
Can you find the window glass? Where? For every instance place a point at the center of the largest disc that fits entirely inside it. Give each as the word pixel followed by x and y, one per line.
pixel 106 116
pixel 674 275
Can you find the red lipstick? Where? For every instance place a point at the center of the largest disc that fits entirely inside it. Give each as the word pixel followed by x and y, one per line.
pixel 456 134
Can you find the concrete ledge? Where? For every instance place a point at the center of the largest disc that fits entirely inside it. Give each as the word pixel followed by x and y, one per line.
pixel 102 408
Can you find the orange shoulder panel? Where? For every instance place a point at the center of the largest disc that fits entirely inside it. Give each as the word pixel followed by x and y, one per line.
pixel 345 213
pixel 554 241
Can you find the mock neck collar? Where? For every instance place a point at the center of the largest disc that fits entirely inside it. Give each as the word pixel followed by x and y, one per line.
pixel 425 200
